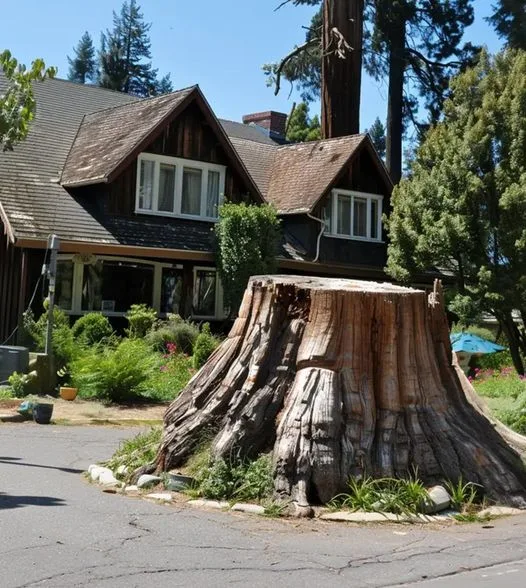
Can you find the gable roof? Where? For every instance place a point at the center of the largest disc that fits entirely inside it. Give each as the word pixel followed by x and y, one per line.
pixel 106 137
pixel 294 177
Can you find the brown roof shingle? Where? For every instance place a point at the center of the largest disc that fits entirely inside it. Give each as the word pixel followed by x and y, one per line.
pixel 107 137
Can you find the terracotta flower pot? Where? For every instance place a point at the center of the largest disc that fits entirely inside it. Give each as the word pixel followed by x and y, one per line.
pixel 68 393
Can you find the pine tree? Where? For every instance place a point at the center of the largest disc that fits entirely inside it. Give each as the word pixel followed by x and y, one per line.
pixel 377 134
pixel 82 67
pixel 509 20
pixel 125 55
pixel 300 127
pixel 463 206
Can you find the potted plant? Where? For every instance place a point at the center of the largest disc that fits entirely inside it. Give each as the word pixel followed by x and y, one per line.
pixel 66 391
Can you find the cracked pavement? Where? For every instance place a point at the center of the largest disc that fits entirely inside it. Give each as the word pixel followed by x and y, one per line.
pixel 57 530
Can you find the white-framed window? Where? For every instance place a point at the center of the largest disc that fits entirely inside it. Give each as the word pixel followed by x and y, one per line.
pixel 353 215
pixel 207 300
pixel 171 186
pixel 110 285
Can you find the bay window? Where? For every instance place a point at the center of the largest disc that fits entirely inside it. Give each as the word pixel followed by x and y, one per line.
pixel 353 215
pixel 172 186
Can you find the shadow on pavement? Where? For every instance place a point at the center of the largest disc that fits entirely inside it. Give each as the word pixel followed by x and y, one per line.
pixel 8 501
pixel 9 460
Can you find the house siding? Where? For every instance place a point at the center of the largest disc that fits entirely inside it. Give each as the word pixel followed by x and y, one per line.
pixel 13 264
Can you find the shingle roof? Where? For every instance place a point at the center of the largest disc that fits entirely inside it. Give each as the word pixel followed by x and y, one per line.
pixel 242 131
pixel 294 177
pixel 105 138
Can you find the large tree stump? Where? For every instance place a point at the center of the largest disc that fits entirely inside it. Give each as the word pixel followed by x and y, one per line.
pixel 341 378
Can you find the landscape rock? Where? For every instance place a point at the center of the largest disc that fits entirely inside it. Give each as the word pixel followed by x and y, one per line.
pixel 380 517
pixel 132 488
pixel 440 499
pixel 106 478
pixel 500 511
pixel 147 480
pixel 163 496
pixel 250 508
pixel 209 503
pixel 95 471
pixel 122 470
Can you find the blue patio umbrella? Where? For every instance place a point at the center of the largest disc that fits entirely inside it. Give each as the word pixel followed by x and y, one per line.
pixel 468 343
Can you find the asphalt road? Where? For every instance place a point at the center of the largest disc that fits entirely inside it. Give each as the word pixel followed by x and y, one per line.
pixel 56 530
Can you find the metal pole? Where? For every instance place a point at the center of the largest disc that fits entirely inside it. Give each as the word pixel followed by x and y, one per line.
pixel 53 245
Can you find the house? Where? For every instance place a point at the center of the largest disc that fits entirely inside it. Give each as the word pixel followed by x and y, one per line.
pixel 132 188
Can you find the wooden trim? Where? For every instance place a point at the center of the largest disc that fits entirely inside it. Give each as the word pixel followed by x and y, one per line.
pixel 109 249
pixel 7 225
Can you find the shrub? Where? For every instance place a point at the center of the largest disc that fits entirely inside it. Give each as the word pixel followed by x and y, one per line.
pixel 62 341
pixel 21 385
pixel 177 331
pixel 115 375
pixel 204 345
pixel 515 418
pixel 141 319
pixel 171 377
pixel 138 451
pixel 92 328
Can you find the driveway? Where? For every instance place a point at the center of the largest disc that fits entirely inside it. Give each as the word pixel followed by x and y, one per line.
pixel 57 530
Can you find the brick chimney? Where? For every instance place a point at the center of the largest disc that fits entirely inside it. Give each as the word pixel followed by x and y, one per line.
pixel 274 122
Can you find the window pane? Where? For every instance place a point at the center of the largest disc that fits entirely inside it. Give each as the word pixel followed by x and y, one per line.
pixel 212 197
pixel 146 184
pixel 360 217
pixel 205 293
pixel 171 287
pixel 344 215
pixel 191 197
pixel 64 284
pixel 116 285
pixel 374 219
pixel 166 187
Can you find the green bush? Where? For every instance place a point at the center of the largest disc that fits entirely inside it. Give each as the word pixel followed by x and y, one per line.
pixel 176 331
pixel 170 378
pixel 204 346
pixel 515 417
pixel 141 319
pixel 62 341
pixel 92 328
pixel 242 480
pixel 117 374
pixel 21 385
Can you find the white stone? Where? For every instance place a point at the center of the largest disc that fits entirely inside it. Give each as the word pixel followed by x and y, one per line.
pixel 122 470
pixel 106 478
pixel 131 488
pixel 163 496
pixel 209 503
pixel 250 508
pixel 500 511
pixel 379 517
pixel 147 480
pixel 96 472
pixel 440 499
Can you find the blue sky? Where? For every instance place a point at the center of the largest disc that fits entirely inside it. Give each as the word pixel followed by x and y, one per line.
pixel 220 44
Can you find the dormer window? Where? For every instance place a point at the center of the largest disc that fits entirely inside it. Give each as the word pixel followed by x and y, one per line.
pixel 171 186
pixel 354 215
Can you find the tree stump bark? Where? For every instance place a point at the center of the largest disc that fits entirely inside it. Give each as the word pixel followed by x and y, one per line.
pixel 341 378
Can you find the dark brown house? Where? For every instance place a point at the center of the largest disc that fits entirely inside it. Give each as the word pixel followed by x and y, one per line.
pixel 132 188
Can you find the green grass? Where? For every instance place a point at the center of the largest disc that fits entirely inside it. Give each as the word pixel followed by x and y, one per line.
pixel 137 451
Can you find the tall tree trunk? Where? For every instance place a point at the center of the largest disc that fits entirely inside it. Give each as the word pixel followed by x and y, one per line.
pixel 395 102
pixel 340 378
pixel 514 339
pixel 341 77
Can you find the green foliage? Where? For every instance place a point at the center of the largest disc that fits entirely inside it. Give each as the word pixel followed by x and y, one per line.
pixel 125 55
pixel 17 102
pixel 175 330
pixel 6 392
pixel 377 134
pixel 515 417
pixel 300 127
pixel 136 452
pixel 21 385
pixel 62 341
pixel 117 374
pixel 82 68
pixel 398 496
pixel 204 346
pixel 170 378
pixel 463 494
pixel 248 238
pixel 141 319
pixel 92 328
pixel 234 479
pixel 494 361
pixel 474 330
pixel 463 205
pixel 509 20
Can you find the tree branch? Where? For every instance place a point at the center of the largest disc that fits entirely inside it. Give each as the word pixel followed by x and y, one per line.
pixel 296 51
pixel 431 62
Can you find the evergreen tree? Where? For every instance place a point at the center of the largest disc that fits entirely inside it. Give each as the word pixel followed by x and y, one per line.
pixel 463 207
pixel 125 56
pixel 509 20
pixel 300 127
pixel 82 66
pixel 377 134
